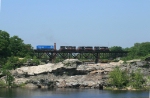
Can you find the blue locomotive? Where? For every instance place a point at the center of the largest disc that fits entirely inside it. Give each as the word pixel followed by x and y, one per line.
pixel 45 47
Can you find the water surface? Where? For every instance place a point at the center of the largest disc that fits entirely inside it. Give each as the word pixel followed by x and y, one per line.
pixel 70 93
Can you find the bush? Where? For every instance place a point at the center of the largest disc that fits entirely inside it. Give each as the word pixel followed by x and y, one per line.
pixel 2 83
pixel 9 78
pixel 118 78
pixel 11 63
pixel 136 79
pixel 35 61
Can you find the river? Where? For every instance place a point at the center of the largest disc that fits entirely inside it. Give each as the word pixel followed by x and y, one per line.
pixel 70 93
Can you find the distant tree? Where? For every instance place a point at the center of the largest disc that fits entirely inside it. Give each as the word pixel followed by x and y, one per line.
pixel 27 50
pixel 16 45
pixel 18 48
pixel 12 63
pixel 139 50
pixel 116 48
pixel 4 42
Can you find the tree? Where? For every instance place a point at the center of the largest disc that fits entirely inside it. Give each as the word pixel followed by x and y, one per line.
pixel 18 48
pixel 9 78
pixel 116 48
pixel 4 43
pixel 16 45
pixel 139 50
pixel 12 63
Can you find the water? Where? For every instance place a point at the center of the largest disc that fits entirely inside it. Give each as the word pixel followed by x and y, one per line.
pixel 70 93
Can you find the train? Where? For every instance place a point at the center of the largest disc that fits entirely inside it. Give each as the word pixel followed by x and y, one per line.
pixel 73 48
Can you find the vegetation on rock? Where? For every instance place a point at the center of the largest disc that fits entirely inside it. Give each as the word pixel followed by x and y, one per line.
pixel 120 79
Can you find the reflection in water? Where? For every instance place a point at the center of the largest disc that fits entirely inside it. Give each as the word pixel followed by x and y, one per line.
pixel 70 93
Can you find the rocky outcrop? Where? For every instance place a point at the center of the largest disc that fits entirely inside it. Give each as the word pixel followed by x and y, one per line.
pixel 72 73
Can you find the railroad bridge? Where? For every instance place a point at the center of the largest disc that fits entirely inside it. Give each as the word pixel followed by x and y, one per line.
pixel 90 55
pixel 82 53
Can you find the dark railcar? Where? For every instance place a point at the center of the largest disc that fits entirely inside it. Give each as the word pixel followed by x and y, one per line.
pixel 88 48
pixel 67 48
pixel 97 48
pixel 81 48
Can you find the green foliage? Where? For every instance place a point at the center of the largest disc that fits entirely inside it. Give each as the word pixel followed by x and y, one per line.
pixel 138 51
pixel 9 78
pixel 12 63
pixel 136 79
pixel 122 79
pixel 4 50
pixel 4 42
pixel 116 48
pixel 11 48
pixel 18 48
pixel 35 61
pixel 118 78
pixel 2 83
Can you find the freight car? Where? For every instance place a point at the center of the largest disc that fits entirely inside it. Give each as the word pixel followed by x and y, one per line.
pixel 81 48
pixel 67 48
pixel 88 48
pixel 85 48
pixel 45 47
pixel 98 48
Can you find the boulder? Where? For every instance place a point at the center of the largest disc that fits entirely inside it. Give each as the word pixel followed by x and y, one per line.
pixel 134 60
pixel 20 81
pixel 30 85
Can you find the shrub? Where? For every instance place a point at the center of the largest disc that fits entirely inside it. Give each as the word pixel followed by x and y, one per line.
pixel 118 78
pixel 136 79
pixel 9 77
pixel 2 83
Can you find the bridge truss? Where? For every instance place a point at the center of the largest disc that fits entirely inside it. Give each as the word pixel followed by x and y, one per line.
pixel 91 55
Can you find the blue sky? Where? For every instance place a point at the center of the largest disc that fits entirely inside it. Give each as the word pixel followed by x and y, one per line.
pixel 77 22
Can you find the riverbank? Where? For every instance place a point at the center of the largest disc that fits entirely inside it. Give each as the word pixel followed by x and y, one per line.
pixel 72 73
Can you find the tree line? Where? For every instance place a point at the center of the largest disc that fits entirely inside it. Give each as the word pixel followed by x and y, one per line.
pixel 11 49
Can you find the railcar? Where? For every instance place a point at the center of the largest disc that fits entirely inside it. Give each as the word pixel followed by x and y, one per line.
pixel 99 48
pixel 81 48
pixel 88 48
pixel 67 48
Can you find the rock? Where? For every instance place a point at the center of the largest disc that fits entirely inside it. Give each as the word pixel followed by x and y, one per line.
pixel 19 81
pixel 72 61
pixel 96 72
pixel 135 60
pixel 30 85
pixel 72 73
pixel 147 59
pixel 61 84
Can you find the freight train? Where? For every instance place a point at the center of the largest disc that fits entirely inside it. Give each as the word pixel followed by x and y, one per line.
pixel 72 48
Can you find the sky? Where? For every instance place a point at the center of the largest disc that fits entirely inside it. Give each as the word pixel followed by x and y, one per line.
pixel 77 22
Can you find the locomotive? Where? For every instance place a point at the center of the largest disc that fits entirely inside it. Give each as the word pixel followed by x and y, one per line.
pixel 45 47
pixel 72 48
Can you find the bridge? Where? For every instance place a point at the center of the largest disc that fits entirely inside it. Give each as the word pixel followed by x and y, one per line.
pixel 91 55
